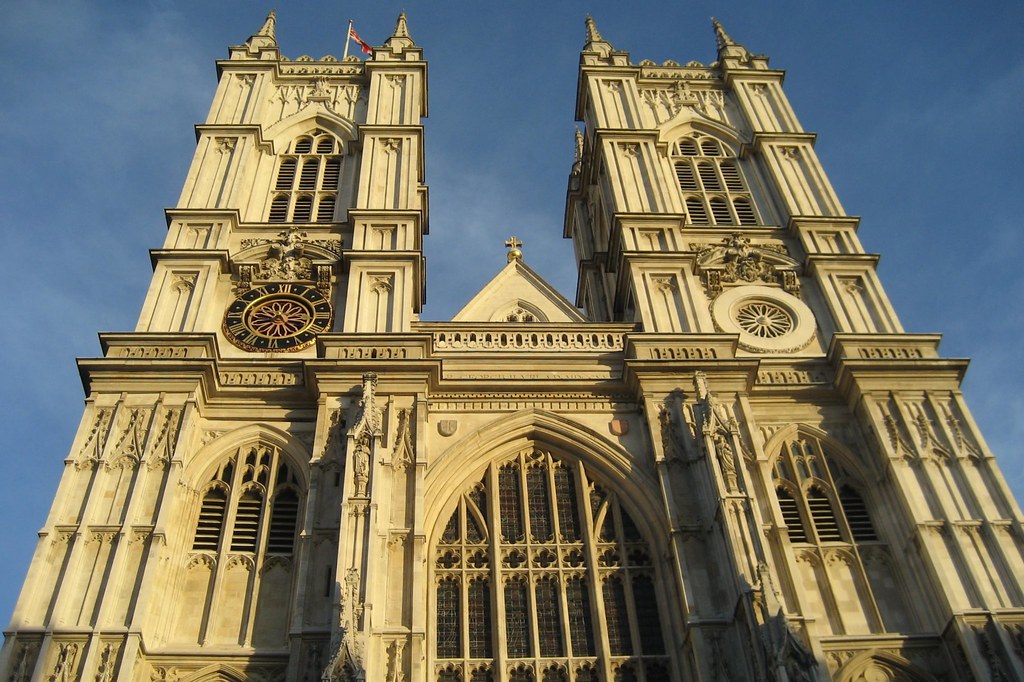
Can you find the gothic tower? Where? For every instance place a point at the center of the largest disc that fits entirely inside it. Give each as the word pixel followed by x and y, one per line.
pixel 734 464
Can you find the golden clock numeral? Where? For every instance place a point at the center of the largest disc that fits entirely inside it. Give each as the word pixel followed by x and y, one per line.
pixel 238 329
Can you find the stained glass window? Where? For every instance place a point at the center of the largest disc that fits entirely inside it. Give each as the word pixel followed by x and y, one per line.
pixel 448 618
pixel 511 508
pixel 549 629
pixel 530 593
pixel 565 496
pixel 517 632
pixel 480 618
pixel 540 512
pixel 651 641
pixel 616 618
pixel 580 630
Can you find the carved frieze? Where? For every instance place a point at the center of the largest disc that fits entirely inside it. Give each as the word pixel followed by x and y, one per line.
pixel 737 260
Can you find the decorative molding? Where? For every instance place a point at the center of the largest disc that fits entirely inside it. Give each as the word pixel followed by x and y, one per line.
pixel 270 379
pixel 558 341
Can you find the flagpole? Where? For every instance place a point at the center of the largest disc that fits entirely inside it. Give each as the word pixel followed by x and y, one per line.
pixel 348 36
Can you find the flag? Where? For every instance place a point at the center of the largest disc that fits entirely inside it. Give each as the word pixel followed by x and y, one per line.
pixel 362 45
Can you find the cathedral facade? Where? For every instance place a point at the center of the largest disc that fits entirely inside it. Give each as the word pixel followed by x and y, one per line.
pixel 733 464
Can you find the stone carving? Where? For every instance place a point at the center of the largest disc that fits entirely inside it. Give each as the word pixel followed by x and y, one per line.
pixel 720 431
pixel 105 670
pixel 128 449
pixel 161 448
pixel 23 662
pixel 64 667
pixel 794 376
pixel 366 430
pixel 334 445
pixel 261 378
pixel 332 246
pixel 396 657
pixel 898 440
pixel 526 340
pixel 226 145
pixel 92 450
pixel 670 435
pixel 447 427
pixel 403 455
pixel 286 259
pixel 736 259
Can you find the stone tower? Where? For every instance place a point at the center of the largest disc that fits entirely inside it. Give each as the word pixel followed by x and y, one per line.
pixel 734 464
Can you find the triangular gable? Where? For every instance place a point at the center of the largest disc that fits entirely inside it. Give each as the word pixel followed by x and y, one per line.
pixel 518 294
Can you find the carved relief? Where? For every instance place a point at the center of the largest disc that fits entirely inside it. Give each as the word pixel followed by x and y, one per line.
pixel 24 661
pixel 720 431
pixel 334 445
pixel 106 668
pixel 736 259
pixel 92 450
pixel 403 455
pixel 396 660
pixel 225 145
pixel 64 669
pixel 128 448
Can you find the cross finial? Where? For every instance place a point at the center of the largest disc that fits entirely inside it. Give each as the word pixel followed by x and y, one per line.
pixel 515 253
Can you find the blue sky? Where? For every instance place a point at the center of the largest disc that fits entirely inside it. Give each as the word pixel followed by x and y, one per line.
pixel 917 107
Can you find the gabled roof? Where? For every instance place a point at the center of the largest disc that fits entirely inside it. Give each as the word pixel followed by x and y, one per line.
pixel 517 293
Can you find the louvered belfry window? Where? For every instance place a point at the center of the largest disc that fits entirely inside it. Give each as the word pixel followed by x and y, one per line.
pixel 712 185
pixel 817 496
pixel 540 573
pixel 306 184
pixel 250 506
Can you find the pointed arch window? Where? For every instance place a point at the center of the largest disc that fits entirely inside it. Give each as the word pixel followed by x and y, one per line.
pixel 818 499
pixel 242 512
pixel 541 570
pixel 711 182
pixel 306 183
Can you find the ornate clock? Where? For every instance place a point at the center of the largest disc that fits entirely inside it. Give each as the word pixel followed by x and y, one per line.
pixel 277 317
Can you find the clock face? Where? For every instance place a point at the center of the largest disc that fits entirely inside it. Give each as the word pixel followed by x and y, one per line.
pixel 277 317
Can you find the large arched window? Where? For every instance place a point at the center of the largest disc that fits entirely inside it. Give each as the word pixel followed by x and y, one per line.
pixel 306 185
pixel 541 575
pixel 243 546
pixel 849 579
pixel 709 177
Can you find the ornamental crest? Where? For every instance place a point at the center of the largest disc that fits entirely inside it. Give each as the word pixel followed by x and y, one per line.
pixel 737 260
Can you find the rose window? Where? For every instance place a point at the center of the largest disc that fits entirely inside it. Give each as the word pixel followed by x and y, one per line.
pixel 764 320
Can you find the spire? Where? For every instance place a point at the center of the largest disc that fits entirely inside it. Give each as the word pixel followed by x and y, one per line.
pixel 266 36
pixel 595 41
pixel 722 39
pixel 400 39
pixel 727 47
pixel 401 27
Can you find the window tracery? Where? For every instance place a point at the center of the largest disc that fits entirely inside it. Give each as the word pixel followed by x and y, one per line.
pixel 817 497
pixel 241 511
pixel 710 179
pixel 534 583
pixel 306 185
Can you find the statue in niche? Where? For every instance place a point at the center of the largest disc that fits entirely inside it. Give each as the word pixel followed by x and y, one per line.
pixel 361 468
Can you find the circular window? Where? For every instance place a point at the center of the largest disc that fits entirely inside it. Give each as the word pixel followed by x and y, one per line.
pixel 767 320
